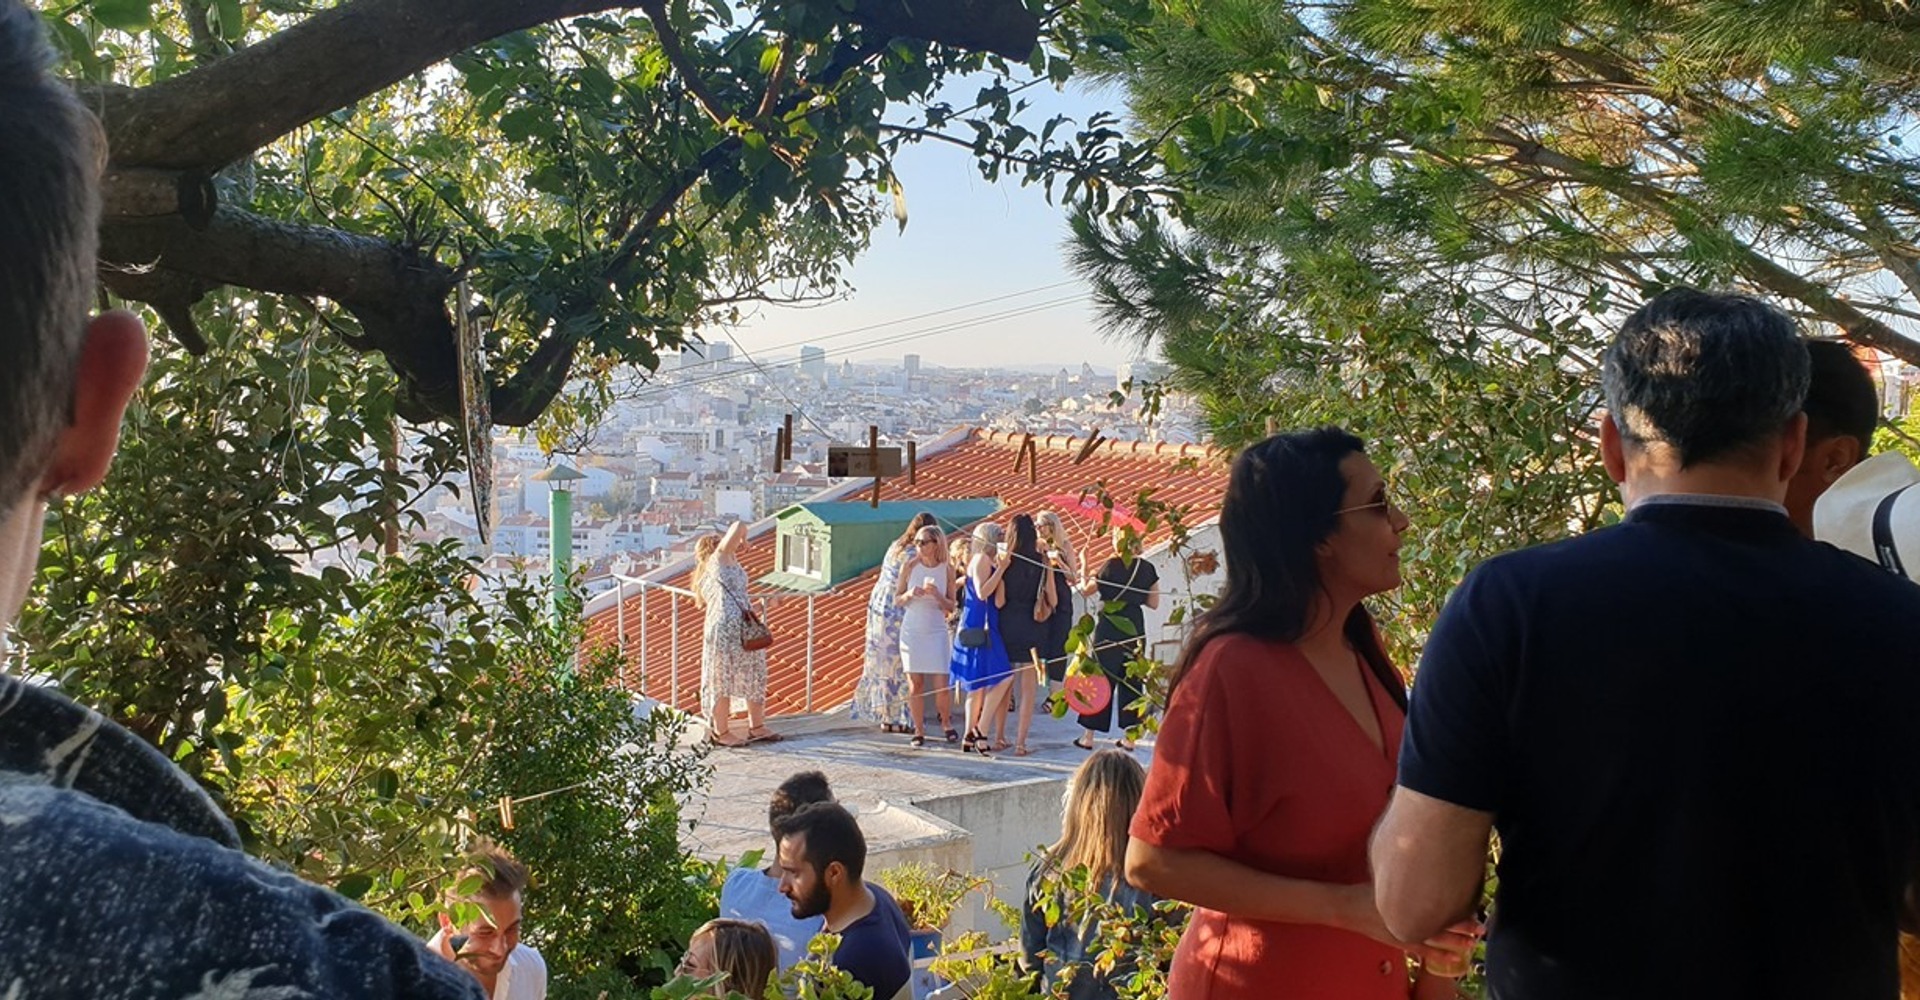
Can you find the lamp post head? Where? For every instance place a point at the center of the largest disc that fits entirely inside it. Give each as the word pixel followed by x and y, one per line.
pixel 559 477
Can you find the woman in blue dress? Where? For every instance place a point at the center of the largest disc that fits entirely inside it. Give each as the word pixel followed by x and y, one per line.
pixel 980 663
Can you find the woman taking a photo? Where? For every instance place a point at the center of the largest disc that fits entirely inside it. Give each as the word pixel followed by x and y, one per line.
pixel 728 671
pixel 1280 743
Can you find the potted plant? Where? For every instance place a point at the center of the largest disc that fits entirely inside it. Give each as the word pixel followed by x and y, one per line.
pixel 927 897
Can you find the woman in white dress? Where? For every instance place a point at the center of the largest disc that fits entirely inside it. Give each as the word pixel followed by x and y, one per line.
pixel 881 695
pixel 925 591
pixel 726 670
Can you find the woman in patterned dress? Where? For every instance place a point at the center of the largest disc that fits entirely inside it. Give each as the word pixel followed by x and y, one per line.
pixel 727 671
pixel 881 695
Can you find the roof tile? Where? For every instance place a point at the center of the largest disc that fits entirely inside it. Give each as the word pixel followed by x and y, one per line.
pixel 822 636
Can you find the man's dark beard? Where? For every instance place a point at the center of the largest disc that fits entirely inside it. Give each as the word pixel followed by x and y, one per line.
pixel 814 904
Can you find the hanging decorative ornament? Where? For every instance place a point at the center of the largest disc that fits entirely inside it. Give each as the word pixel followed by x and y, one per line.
pixel 1087 694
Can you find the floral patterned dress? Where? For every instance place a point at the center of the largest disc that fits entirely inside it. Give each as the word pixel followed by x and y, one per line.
pixel 881 696
pixel 726 670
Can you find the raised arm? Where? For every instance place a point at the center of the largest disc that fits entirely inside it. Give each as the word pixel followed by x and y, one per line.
pixel 901 597
pixel 731 538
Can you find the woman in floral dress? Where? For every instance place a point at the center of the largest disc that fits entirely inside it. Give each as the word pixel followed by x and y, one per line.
pixel 726 670
pixel 881 695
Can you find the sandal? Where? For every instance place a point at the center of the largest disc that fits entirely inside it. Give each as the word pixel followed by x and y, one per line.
pixel 953 735
pixel 763 735
pixel 1126 745
pixel 1020 750
pixel 918 740
pixel 725 740
pixel 1002 744
pixel 1083 743
pixel 975 743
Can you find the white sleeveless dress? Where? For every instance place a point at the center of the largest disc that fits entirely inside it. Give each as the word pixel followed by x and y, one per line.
pixel 926 647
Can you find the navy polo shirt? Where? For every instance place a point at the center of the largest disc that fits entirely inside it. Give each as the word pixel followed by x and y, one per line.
pixel 1699 736
pixel 876 949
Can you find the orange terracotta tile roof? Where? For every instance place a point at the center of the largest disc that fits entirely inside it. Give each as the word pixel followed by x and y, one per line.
pixel 824 637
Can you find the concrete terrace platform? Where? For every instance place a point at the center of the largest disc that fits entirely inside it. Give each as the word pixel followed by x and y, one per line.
pixel 935 805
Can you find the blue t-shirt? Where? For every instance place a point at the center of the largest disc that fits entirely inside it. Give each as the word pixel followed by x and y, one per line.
pixel 875 948
pixel 750 895
pixel 1699 737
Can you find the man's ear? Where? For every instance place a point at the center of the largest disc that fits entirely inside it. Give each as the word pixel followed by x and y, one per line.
pixel 1613 449
pixel 1833 457
pixel 112 360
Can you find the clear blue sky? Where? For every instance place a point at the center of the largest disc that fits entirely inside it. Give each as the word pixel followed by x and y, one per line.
pixel 966 240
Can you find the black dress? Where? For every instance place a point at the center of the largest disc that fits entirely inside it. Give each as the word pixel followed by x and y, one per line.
pixel 1059 626
pixel 1124 588
pixel 1021 634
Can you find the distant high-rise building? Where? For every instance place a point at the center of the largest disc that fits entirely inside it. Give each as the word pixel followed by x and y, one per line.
pixel 913 365
pixel 1141 371
pixel 693 355
pixel 813 364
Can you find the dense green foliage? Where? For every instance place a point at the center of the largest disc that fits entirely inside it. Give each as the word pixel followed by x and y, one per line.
pixel 1538 161
pixel 604 184
pixel 360 722
pixel 1419 220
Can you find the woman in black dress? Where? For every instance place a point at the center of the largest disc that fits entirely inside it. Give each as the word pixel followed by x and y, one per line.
pixel 1122 588
pixel 1023 629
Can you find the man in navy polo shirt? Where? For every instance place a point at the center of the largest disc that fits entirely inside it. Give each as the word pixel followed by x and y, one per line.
pixel 1697 732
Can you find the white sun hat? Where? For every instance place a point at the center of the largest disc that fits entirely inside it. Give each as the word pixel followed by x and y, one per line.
pixel 1874 511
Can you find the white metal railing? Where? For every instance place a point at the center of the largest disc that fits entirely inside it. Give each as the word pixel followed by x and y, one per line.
pixel 677 596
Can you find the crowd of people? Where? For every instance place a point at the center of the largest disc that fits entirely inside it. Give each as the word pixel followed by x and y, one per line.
pixel 1694 732
pixel 975 625
pixel 987 615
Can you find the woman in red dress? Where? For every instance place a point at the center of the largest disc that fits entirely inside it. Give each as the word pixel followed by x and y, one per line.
pixel 1280 741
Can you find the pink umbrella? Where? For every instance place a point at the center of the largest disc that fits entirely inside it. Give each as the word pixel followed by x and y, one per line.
pixel 1089 506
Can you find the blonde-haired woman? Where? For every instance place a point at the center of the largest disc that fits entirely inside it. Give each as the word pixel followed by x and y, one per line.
pixel 1060 555
pixel 742 950
pixel 924 593
pixel 980 664
pixel 726 670
pixel 1093 838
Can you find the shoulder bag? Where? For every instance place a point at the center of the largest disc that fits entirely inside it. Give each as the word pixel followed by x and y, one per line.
pixel 754 633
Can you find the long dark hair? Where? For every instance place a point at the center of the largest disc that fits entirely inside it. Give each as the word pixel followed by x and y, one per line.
pixel 921 520
pixel 1024 540
pixel 1281 502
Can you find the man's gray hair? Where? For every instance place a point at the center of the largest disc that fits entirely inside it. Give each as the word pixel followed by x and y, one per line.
pixel 50 160
pixel 1708 374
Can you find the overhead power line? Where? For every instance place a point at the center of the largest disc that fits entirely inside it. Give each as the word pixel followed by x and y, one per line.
pixel 888 341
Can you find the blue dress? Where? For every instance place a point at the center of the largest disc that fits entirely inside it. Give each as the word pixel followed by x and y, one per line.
pixel 979 667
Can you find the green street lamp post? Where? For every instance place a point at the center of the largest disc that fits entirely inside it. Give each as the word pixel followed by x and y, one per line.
pixel 559 480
